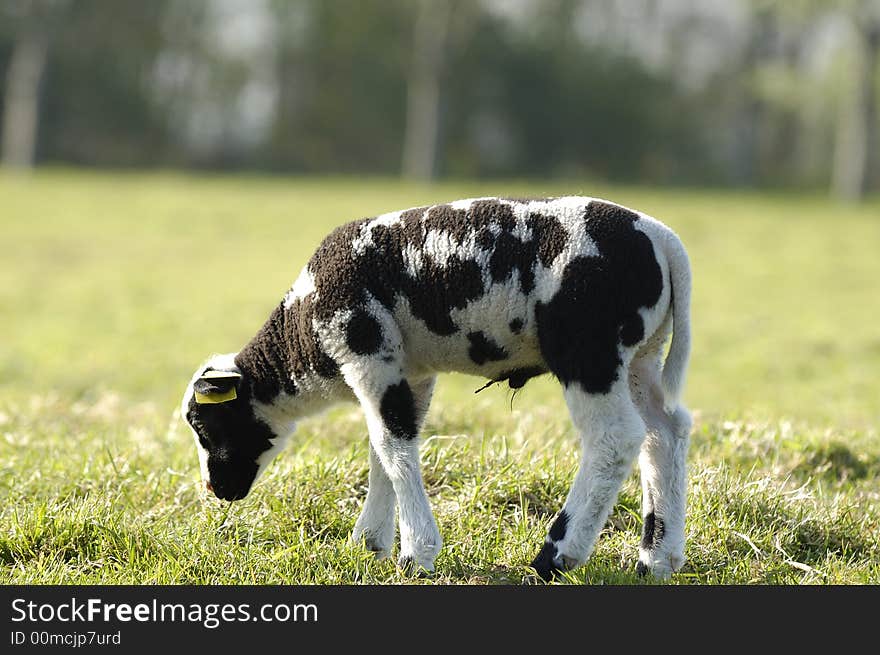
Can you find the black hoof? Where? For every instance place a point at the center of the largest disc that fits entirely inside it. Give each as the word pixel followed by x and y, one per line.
pixel 545 565
pixel 641 569
pixel 409 567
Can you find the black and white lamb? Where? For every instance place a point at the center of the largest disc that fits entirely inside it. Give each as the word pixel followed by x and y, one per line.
pixel 581 288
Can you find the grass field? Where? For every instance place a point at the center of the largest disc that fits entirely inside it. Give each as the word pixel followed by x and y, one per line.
pixel 114 287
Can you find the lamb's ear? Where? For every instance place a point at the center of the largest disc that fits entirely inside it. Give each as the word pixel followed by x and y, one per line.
pixel 214 387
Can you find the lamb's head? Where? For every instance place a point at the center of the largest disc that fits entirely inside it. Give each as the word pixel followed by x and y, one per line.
pixel 234 444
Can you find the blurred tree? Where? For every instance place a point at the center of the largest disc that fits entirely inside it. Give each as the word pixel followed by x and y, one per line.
pixel 853 128
pixel 101 107
pixel 342 74
pixel 750 110
pixel 214 80
pixel 533 98
pixel 743 91
pixel 856 141
pixel 428 58
pixel 35 24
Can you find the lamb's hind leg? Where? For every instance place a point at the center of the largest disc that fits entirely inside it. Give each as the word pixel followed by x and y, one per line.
pixel 376 524
pixel 611 433
pixel 663 470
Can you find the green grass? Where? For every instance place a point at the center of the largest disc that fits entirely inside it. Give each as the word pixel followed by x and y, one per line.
pixel 114 287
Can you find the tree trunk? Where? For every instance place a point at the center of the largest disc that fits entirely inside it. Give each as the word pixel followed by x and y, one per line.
pixel 421 137
pixel 22 99
pixel 750 110
pixel 872 41
pixel 857 121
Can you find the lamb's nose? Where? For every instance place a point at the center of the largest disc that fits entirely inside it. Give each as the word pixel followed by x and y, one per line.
pixel 209 487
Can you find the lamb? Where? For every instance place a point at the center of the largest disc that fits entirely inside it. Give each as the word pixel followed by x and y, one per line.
pixel 581 288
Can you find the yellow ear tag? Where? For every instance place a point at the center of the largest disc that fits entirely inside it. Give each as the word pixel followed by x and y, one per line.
pixel 219 396
pixel 215 398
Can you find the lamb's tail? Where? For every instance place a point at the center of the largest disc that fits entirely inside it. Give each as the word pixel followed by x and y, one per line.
pixel 675 367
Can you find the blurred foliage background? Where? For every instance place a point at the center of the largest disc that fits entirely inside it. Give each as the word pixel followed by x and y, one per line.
pixel 719 92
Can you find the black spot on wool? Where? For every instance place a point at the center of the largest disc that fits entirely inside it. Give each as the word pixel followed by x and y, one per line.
pixel 510 253
pixel 551 237
pixel 285 349
pixel 266 359
pixel 516 325
pixel 440 289
pixel 461 223
pixel 343 278
pixel 652 531
pixel 398 410
pixel 363 334
pixel 596 307
pixel 557 530
pixel 484 350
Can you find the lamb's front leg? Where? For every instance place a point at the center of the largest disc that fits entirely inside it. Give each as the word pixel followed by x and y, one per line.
pixel 393 415
pixel 376 524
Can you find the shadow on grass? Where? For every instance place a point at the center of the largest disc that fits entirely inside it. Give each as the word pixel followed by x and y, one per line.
pixel 592 573
pixel 835 462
